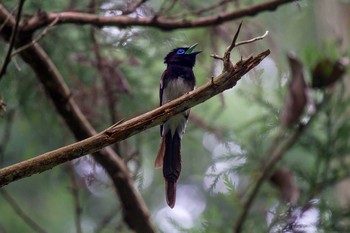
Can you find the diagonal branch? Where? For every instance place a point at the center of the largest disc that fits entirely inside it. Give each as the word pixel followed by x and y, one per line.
pixel 44 19
pixel 12 40
pixel 120 131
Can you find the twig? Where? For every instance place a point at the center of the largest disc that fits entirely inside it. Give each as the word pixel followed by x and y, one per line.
pixel 12 40
pixel 8 17
pixel 252 40
pixel 276 155
pixel 16 207
pixel 226 57
pixel 36 40
pixel 75 195
pixel 234 44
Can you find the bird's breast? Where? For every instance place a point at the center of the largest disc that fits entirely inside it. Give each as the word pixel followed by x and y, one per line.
pixel 176 88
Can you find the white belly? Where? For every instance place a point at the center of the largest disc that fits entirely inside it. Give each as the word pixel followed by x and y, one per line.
pixel 175 88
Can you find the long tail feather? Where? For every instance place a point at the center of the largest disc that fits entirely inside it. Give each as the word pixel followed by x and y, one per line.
pixel 172 165
pixel 158 163
pixel 170 193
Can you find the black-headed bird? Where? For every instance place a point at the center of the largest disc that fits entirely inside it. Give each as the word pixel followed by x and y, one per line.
pixel 177 80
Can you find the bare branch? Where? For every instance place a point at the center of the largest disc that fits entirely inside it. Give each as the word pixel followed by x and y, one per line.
pixel 227 79
pixel 44 19
pixel 12 40
pixel 7 18
pixel 234 44
pixel 252 40
pixel 36 40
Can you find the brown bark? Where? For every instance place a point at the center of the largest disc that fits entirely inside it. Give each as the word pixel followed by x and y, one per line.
pixel 44 19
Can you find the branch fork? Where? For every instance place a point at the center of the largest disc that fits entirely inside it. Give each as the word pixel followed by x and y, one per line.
pixel 228 66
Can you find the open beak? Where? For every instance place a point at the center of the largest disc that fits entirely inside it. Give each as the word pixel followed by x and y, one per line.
pixel 190 49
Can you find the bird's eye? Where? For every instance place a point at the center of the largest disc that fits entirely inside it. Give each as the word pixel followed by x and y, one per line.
pixel 180 51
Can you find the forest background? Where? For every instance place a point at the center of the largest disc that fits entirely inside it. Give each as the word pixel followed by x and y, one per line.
pixel 269 155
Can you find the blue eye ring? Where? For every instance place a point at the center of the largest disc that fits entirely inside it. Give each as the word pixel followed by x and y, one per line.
pixel 180 51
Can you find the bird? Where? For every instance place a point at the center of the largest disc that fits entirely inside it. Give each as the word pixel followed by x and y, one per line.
pixel 177 80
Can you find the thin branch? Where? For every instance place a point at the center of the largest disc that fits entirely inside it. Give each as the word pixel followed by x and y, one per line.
pixel 252 40
pixel 234 44
pixel 7 18
pixel 12 40
pixel 17 208
pixel 38 21
pixel 36 40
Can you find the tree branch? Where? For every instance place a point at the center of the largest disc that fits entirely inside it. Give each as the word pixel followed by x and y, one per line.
pixel 44 19
pixel 12 40
pixel 120 131
pixel 135 212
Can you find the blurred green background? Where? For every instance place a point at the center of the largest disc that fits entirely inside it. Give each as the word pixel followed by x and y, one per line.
pixel 225 138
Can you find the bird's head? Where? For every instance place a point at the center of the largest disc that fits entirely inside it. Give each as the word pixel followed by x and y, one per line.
pixel 184 56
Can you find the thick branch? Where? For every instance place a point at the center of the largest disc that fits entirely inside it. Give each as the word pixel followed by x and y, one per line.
pixel 121 131
pixel 44 19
